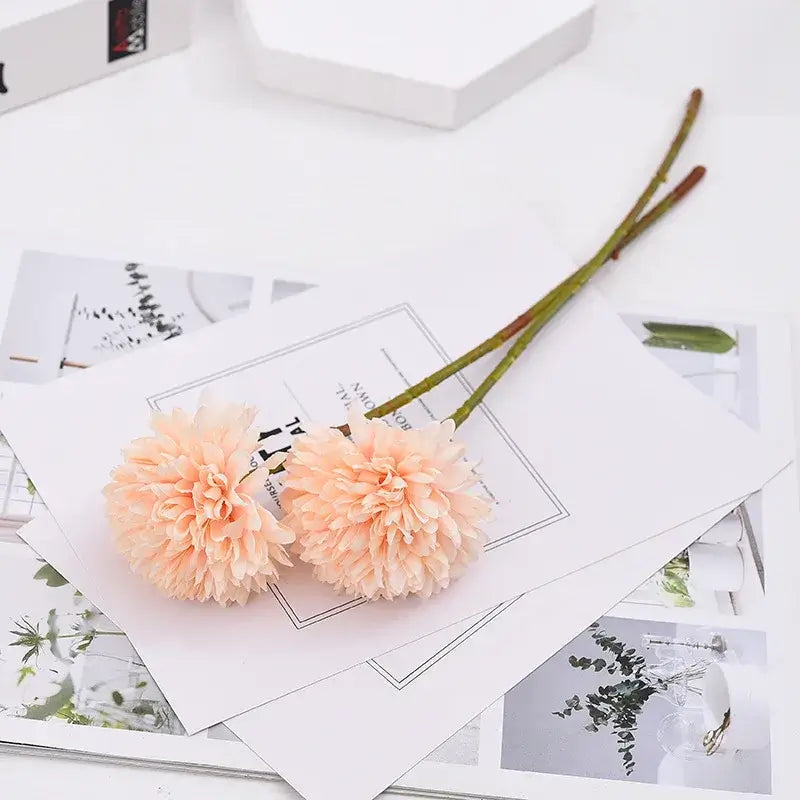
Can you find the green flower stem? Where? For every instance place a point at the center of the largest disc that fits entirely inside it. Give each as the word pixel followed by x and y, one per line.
pixel 628 231
pixel 674 197
pixel 608 249
pixel 515 351
pixel 83 635
pixel 524 319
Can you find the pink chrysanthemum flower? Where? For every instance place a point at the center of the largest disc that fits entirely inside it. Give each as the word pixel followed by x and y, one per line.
pixel 183 512
pixel 386 513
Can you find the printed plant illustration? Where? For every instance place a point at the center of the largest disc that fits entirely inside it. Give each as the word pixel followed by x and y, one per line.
pixel 673 581
pixel 139 323
pixel 697 338
pixel 617 706
pixel 65 671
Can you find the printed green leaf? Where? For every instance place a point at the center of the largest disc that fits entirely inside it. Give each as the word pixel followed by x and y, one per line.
pixel 52 705
pixel 25 672
pixel 696 338
pixel 50 577
pixel 52 635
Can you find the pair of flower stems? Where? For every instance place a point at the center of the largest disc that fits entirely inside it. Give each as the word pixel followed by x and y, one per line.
pixel 530 322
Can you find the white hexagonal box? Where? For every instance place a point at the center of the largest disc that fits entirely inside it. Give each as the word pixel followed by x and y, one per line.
pixel 435 62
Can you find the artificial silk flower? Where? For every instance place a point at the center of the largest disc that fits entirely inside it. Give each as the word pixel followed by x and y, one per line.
pixel 387 512
pixel 183 512
pixel 378 512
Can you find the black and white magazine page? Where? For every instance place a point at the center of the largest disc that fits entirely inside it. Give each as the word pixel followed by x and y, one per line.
pixel 67 305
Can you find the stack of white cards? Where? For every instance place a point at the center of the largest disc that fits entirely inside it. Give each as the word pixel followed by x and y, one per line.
pixel 621 475
pixel 438 64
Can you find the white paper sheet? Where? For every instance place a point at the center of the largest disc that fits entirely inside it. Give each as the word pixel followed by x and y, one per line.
pixel 453 777
pixel 527 752
pixel 309 736
pixel 432 687
pixel 411 700
pixel 607 441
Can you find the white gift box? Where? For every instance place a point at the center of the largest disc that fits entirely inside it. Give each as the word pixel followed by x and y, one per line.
pixel 47 46
pixel 435 62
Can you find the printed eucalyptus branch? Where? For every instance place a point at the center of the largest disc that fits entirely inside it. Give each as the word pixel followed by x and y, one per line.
pixel 618 706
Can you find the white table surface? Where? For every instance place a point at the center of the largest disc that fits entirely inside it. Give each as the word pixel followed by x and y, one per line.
pixel 188 153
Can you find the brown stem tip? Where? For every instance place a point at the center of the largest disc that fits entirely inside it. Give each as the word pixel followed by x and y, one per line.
pixel 689 182
pixel 664 205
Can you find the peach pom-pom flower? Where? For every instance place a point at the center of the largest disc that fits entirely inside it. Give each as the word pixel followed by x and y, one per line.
pixel 183 512
pixel 386 513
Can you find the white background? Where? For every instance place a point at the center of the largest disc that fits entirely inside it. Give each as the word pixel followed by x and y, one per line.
pixel 188 152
